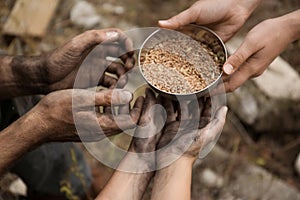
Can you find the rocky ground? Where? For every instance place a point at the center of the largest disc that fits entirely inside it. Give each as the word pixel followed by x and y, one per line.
pixel 249 162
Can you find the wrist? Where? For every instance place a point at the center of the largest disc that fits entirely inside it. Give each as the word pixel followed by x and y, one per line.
pixel 42 125
pixel 189 160
pixel 23 75
pixel 146 159
pixel 248 6
pixel 181 163
pixel 290 22
pixel 17 139
pixel 177 175
pixel 31 69
pixel 39 130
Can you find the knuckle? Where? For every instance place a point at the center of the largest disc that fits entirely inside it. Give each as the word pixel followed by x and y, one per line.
pixel 91 33
pixel 105 121
pixel 194 11
pixel 251 41
pixel 256 70
pixel 231 87
pixel 107 98
pixel 237 59
pixel 75 44
pixel 257 73
pixel 134 114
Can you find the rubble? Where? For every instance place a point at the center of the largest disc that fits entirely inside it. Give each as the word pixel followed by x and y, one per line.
pixel 118 10
pixel 241 179
pixel 211 179
pixel 83 14
pixel 18 187
pixel 23 22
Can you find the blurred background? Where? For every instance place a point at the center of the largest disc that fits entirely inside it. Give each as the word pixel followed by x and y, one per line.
pixel 256 156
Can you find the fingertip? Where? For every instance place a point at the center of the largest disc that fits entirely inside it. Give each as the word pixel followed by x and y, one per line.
pixel 126 96
pixel 228 69
pixel 137 109
pixel 120 96
pixel 139 100
pixel 149 92
pixel 112 35
pixel 165 23
pixel 224 110
pixel 129 64
pixel 221 114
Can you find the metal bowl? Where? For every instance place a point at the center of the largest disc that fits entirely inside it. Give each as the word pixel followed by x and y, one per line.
pixel 198 33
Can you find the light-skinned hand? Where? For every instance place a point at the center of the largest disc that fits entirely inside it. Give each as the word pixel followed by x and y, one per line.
pixel 223 17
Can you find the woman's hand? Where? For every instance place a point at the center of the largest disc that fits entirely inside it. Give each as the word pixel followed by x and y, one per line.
pixel 259 48
pixel 63 64
pixel 223 17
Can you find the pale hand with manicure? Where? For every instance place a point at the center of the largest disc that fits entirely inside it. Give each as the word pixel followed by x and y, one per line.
pixel 259 48
pixel 223 17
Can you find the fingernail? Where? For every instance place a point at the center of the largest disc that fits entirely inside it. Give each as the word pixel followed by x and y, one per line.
pixel 112 35
pixel 225 109
pixel 164 23
pixel 228 69
pixel 126 96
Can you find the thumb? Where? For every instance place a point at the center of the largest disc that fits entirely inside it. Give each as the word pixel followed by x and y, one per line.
pixel 90 38
pixel 238 57
pixel 109 97
pixel 183 18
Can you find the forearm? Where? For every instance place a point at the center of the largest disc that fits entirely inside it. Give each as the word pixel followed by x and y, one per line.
pixel 126 185
pixel 21 75
pixel 174 181
pixel 17 139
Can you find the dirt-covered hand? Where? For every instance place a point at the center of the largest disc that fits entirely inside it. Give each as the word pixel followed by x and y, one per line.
pixel 147 134
pixel 189 132
pixel 224 17
pixel 149 127
pixel 74 114
pixel 62 64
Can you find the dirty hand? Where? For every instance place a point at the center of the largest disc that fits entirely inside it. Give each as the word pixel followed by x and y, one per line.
pixel 223 17
pixel 259 48
pixel 137 166
pixel 188 131
pixel 148 133
pixel 63 64
pixel 68 114
pixel 150 123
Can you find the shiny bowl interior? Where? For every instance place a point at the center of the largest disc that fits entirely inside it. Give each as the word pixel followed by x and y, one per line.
pixel 198 33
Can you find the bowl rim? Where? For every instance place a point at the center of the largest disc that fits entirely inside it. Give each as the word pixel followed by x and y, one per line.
pixel 178 94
